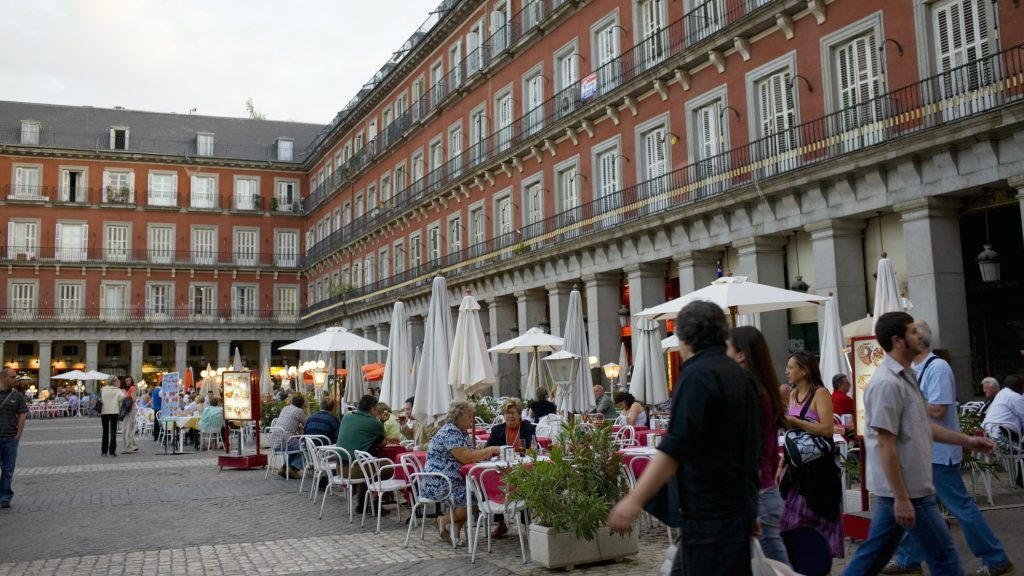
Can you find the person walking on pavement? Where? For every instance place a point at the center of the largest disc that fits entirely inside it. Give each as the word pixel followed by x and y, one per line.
pixel 158 404
pixel 13 412
pixel 898 443
pixel 128 422
pixel 111 397
pixel 939 389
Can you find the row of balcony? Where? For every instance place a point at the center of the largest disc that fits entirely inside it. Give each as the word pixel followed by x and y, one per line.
pixel 970 90
pixel 141 314
pixel 144 256
pixel 698 24
pixel 126 196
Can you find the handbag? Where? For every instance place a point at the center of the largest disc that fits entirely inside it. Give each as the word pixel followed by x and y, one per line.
pixel 802 447
pixel 126 407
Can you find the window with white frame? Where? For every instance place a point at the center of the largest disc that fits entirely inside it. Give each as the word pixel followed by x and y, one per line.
pixel 244 303
pixel 346 213
pixel 22 239
pixel 501 32
pixel 398 248
pixel 285 148
pixel 455 151
pixel 703 18
pixel 204 245
pixel 320 231
pixel 163 189
pixel 346 276
pixel 503 223
pixel 417 98
pixel 71 241
pixel 337 218
pixel 360 206
pixel 371 135
pixel 118 187
pixel 708 139
pixel 474 55
pixel 286 247
pixel 436 161
pixel 533 100
pixel 962 33
pixel 159 300
pixel 775 135
pixel 433 242
pixel 400 179
pixel 533 202
pixel 287 196
pixel 26 183
pixel 286 302
pixel 116 241
pixel 247 194
pixel 30 132
pixel 652 34
pixel 853 81
pixel 357 274
pixel 161 243
pixel 69 304
pixel 204 144
pixel 437 91
pixel 202 300
pixel 454 235
pixel 477 230
pixel 533 13
pixel 204 192
pixel 73 185
pixel 455 64
pixel 370 269
pixel 606 177
pixel 415 250
pixel 417 170
pixel 22 298
pixel 605 44
pixel 653 166
pixel 247 242
pixel 310 238
pixel 371 199
pixel 385 189
pixel 118 138
pixel 477 135
pixel 567 198
pixel 114 301
pixel 503 105
pixel 385 265
pixel 566 75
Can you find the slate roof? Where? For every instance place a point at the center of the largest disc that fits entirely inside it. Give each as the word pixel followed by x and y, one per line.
pixel 88 127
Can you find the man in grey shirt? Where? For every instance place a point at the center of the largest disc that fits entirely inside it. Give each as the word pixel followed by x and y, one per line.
pixel 898 445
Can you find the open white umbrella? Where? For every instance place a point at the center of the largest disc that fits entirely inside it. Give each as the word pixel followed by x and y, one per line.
pixel 396 385
pixel 355 386
pixel 533 342
pixel 334 339
pixel 469 370
pixel 580 396
pixel 670 343
pixel 73 375
pixel 96 375
pixel 887 290
pixel 863 327
pixel 833 360
pixel 649 384
pixel 433 393
pixel 736 296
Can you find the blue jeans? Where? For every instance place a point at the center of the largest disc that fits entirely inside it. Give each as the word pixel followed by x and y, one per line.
pixel 8 455
pixel 769 511
pixel 929 532
pixel 949 486
pixel 295 460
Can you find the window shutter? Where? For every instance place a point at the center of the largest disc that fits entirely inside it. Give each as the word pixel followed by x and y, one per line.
pixel 131 184
pixel 84 228
pixel 57 242
pixel 12 242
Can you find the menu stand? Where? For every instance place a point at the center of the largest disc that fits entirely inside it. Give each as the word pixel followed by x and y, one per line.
pixel 241 382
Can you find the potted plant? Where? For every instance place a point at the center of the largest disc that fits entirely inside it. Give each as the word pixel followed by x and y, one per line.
pixel 569 497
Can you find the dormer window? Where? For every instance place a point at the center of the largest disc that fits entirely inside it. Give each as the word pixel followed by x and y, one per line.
pixel 204 144
pixel 285 147
pixel 30 132
pixel 118 137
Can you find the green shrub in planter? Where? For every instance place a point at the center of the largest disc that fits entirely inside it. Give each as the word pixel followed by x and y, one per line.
pixel 575 490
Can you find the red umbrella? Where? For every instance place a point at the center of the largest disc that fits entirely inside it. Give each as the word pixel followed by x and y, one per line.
pixel 189 383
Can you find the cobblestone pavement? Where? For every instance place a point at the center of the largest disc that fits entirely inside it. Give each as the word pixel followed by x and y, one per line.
pixel 145 513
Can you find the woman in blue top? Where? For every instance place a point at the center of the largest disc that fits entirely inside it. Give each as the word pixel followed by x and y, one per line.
pixel 449 450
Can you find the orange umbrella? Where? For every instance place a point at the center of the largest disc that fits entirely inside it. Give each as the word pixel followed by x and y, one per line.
pixel 189 383
pixel 373 372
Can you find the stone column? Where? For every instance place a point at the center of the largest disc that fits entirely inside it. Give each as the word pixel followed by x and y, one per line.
pixel 696 270
pixel 762 258
pixel 92 354
pixel 415 332
pixel 223 352
pixel 646 289
pixel 838 247
pixel 135 363
pixel 383 336
pixel 935 279
pixel 45 358
pixel 603 331
pixel 370 333
pixel 181 357
pixel 531 308
pixel 266 352
pixel 501 312
pixel 558 306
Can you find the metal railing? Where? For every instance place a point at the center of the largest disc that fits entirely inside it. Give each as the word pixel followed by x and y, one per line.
pixel 142 314
pixel 13 253
pixel 969 90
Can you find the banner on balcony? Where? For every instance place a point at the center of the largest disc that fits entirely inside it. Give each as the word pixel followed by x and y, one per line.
pixel 588 86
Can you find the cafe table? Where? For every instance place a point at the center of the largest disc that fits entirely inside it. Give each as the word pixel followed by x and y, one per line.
pixel 493 485
pixel 179 423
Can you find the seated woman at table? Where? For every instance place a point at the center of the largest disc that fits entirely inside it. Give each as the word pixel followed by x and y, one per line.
pixel 392 429
pixel 634 411
pixel 213 418
pixel 513 432
pixel 541 407
pixel 449 450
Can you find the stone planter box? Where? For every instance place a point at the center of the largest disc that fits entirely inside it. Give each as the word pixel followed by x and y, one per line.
pixel 553 549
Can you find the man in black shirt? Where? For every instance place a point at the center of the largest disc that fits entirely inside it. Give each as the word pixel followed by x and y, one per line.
pixel 13 411
pixel 711 451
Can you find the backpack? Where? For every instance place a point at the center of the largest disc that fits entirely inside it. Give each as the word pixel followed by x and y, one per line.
pixel 126 406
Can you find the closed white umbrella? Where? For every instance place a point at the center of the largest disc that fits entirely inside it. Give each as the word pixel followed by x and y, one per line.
pixel 830 334
pixel 355 386
pixel 236 362
pixel 649 384
pixel 533 342
pixel 470 369
pixel 433 394
pixel 887 290
pixel 624 361
pixel 396 385
pixel 580 397
pixel 417 355
pixel 736 296
pixel 333 339
pixel 266 384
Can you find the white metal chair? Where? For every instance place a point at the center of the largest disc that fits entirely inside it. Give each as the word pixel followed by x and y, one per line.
pixel 971 407
pixel 210 437
pixel 279 450
pixel 421 502
pixel 1010 453
pixel 379 483
pixel 489 504
pixel 310 443
pixel 625 437
pixel 338 464
pixel 621 420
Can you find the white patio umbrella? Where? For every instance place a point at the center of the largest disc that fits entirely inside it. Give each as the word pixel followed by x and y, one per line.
pixel 266 384
pixel 649 384
pixel 863 327
pixel 73 375
pixel 533 342
pixel 433 393
pixel 581 395
pixel 333 339
pixel 396 385
pixel 830 332
pixel 624 361
pixel 236 361
pixel 417 355
pixel 736 296
pixel 469 370
pixel 355 386
pixel 887 290
pixel 96 375
pixel 670 344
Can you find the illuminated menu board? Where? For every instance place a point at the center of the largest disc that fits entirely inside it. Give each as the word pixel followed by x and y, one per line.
pixel 237 391
pixel 867 355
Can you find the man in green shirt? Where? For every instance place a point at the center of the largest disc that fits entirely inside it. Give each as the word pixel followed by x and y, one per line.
pixel 362 429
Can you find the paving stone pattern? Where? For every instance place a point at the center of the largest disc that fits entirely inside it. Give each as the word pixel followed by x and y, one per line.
pixel 77 513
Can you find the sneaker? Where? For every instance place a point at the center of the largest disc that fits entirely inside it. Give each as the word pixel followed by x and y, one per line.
pixel 295 473
pixel 894 568
pixel 1004 570
pixel 5 504
pixel 112 455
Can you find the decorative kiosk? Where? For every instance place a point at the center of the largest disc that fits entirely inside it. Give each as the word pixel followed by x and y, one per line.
pixel 241 406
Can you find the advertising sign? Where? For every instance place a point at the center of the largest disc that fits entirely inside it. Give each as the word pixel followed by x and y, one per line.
pixel 171 386
pixel 588 86
pixel 238 396
pixel 867 355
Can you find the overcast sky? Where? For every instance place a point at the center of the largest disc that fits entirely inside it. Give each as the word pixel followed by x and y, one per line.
pixel 300 60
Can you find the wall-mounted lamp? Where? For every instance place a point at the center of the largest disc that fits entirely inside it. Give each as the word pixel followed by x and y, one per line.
pixel 792 82
pixel 988 260
pixel 614 26
pixel 623 316
pixel 721 112
pixel 672 138
pixel 899 47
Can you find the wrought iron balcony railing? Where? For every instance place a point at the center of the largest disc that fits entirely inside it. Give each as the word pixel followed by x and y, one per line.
pixel 142 314
pixel 30 252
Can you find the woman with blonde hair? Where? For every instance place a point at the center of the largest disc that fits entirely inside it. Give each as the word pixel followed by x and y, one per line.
pixel 449 450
